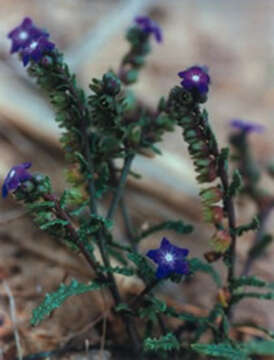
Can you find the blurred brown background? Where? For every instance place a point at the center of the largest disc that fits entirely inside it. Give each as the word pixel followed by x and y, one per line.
pixel 234 39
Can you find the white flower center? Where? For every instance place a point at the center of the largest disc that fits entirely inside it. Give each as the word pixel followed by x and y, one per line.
pixel 12 173
pixel 169 257
pixel 33 45
pixel 196 77
pixel 23 35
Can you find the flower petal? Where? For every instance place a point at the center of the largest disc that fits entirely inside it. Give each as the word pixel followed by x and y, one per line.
pixel 163 271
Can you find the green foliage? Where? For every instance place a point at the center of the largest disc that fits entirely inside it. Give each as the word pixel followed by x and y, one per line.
pixel 175 225
pixel 117 270
pixel 244 295
pixel 199 265
pixel 71 197
pixel 222 351
pixel 52 223
pixel 236 184
pixel 38 206
pixel 240 351
pixel 249 281
pixel 263 347
pixel 223 158
pixel 144 270
pixel 151 308
pixel 54 300
pixel 166 342
pixel 252 226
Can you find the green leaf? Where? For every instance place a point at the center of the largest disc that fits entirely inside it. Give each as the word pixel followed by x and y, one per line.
pixel 263 296
pixel 41 205
pixel 167 342
pixel 264 347
pixel 223 158
pixel 249 281
pixel 222 350
pixel 122 307
pixel 71 197
pixel 199 265
pixel 118 270
pixel 54 300
pixel 253 225
pixel 184 316
pixel 145 271
pixel 175 225
pixel 236 184
pixel 49 224
pixel 152 307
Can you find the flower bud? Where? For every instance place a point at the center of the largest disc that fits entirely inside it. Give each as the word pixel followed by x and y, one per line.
pixel 212 256
pixel 220 241
pixel 211 195
pixel 213 214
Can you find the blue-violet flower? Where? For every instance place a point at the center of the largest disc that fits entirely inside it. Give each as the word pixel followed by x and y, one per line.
pixel 149 27
pixel 36 49
pixel 195 78
pixel 23 34
pixel 170 259
pixel 246 126
pixel 17 175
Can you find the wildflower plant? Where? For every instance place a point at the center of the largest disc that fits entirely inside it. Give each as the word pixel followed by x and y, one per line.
pixel 106 125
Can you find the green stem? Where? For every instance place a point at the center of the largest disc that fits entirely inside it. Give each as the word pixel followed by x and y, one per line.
pixel 231 253
pixel 117 196
pixel 93 208
pixel 128 224
pixel 137 301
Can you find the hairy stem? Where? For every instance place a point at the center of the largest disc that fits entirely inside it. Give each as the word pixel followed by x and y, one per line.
pixel 230 210
pixel 119 190
pixel 60 213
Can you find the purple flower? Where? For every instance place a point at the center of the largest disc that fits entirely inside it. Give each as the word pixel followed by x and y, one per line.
pixel 246 126
pixel 23 34
pixel 36 49
pixel 170 259
pixel 15 177
pixel 149 27
pixel 195 78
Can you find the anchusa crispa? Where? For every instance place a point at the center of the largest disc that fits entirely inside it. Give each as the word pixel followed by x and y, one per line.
pixel 107 125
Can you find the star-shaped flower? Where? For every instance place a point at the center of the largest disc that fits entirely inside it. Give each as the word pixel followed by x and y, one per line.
pixel 195 78
pixel 170 259
pixel 246 126
pixel 17 175
pixel 36 49
pixel 149 27
pixel 23 34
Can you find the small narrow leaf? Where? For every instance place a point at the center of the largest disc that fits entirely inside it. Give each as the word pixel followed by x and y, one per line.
pixel 167 342
pixel 53 223
pixel 236 184
pixel 177 226
pixel 249 281
pixel 54 300
pixel 222 351
pixel 253 225
pixel 145 271
pixel 264 347
pixel 263 296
